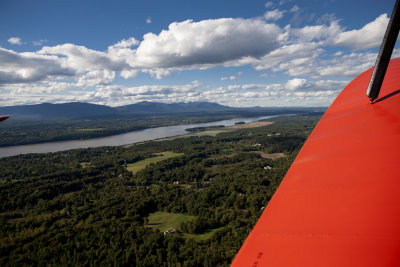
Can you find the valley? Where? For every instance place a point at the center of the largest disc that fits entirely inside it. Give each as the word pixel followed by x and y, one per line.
pixel 88 207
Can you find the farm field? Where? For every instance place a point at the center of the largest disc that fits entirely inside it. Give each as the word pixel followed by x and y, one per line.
pixel 140 165
pixel 270 155
pixel 165 220
pixel 249 125
pixel 205 236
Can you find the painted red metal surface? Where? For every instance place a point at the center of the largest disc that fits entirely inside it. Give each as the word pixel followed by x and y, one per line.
pixel 339 203
pixel 3 118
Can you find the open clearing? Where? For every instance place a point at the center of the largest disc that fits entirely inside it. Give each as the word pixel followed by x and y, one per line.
pixel 208 133
pixel 140 165
pixel 165 220
pixel 84 164
pixel 201 237
pixel 270 156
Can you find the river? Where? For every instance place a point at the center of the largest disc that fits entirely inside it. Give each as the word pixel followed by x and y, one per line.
pixel 117 140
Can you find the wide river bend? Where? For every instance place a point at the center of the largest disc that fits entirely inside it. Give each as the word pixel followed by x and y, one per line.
pixel 117 140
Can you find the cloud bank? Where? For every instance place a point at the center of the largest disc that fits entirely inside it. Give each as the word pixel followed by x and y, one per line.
pixel 301 53
pixel 196 45
pixel 296 91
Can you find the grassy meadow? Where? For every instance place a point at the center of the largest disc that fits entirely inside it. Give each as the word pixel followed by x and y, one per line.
pixel 165 220
pixel 140 165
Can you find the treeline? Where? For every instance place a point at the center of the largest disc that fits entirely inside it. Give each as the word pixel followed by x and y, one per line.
pixel 83 207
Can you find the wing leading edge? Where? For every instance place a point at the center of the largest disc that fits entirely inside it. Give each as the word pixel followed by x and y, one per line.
pixel 339 203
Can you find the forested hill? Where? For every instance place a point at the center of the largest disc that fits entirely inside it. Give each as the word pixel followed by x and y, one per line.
pixel 87 110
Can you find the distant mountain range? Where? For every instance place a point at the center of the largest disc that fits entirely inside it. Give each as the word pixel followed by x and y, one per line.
pixel 85 110
pixel 152 107
pixel 66 110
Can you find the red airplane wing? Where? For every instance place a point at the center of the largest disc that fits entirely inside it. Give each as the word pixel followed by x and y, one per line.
pixel 339 203
pixel 3 118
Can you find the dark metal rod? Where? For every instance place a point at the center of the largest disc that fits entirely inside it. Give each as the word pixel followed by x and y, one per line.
pixel 382 61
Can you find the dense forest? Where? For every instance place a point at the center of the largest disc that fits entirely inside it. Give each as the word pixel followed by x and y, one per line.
pixel 87 206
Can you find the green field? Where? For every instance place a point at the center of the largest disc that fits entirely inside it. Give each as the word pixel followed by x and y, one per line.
pixel 140 165
pixel 205 236
pixel 209 133
pixel 165 220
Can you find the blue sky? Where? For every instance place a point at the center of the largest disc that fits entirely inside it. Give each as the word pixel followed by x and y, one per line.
pixel 236 53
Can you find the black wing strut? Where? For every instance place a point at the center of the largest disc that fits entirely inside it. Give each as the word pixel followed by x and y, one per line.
pixel 382 61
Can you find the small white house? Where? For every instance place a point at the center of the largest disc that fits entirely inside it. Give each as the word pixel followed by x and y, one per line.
pixel 170 231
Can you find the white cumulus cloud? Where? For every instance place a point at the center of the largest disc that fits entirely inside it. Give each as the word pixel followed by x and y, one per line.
pixel 232 77
pixel 369 36
pixel 30 67
pixel 40 42
pixel 206 43
pixel 274 15
pixel 295 84
pixel 96 77
pixel 316 32
pixel 295 8
pixel 15 40
pixel 83 59
pixel 269 4
pixel 126 43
